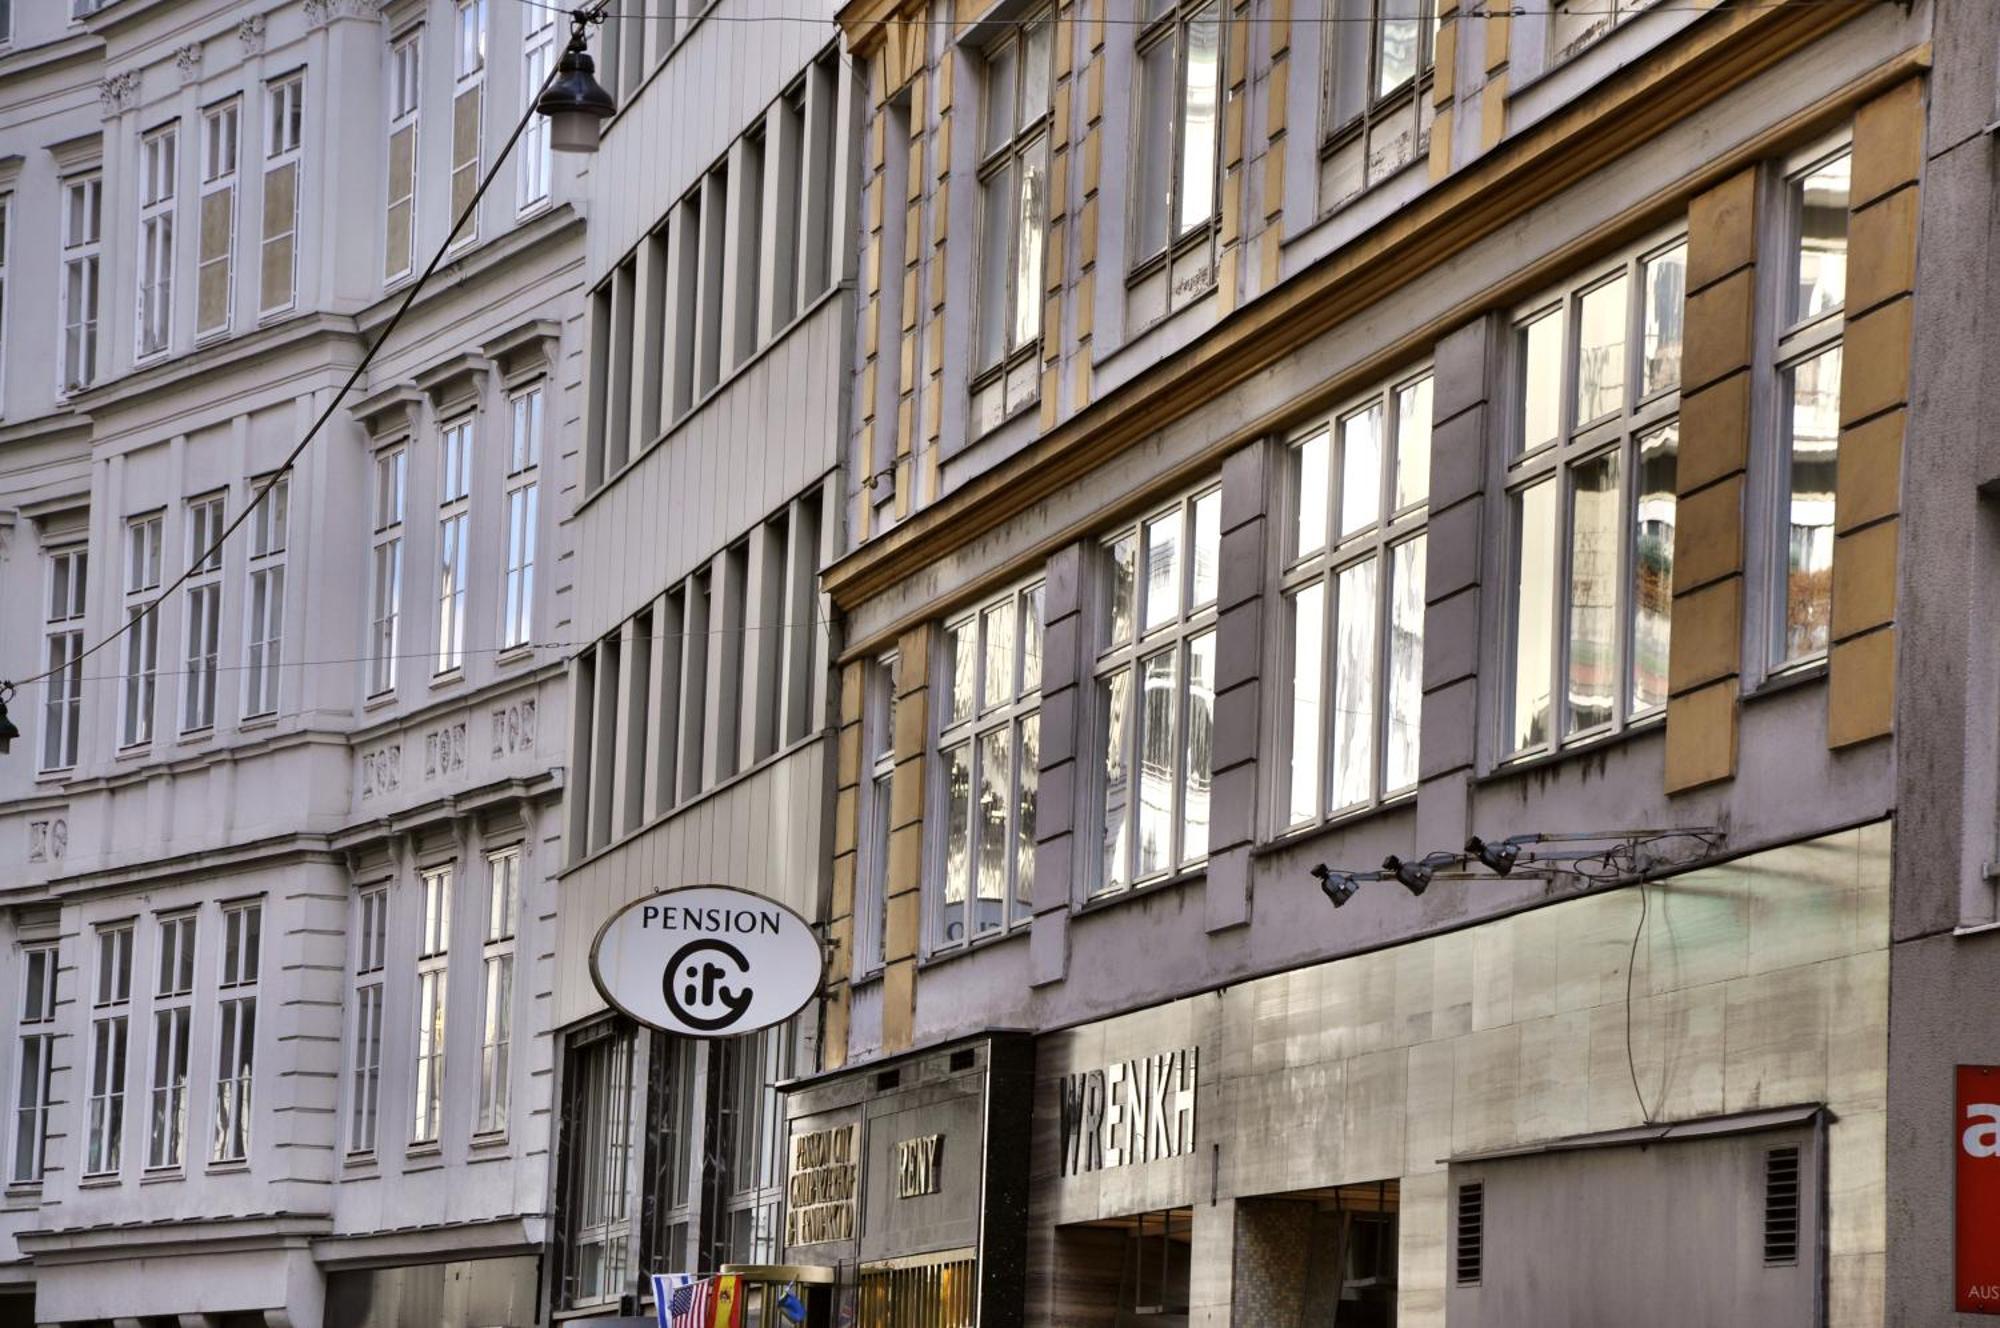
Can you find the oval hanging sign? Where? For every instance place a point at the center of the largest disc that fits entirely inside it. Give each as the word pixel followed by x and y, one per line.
pixel 707 961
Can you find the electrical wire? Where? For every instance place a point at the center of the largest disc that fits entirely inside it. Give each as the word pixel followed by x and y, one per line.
pixel 589 13
pixel 1631 964
pixel 1311 20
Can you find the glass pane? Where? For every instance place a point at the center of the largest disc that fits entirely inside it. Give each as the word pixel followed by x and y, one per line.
pixel 1534 519
pixel 1114 701
pixel 997 208
pixel 1600 351
pixel 1199 745
pixel 1163 569
pixel 1030 223
pixel 1158 702
pixel 1360 470
pixel 1207 548
pixel 1123 555
pixel 1594 539
pixel 1035 71
pixel 961 644
pixel 1541 380
pixel 1653 565
pixel 1024 815
pixel 1200 119
pixel 1308 646
pixel 1395 45
pixel 957 842
pixel 1814 391
pixel 1406 664
pixel 997 688
pixel 1031 640
pixel 1152 199
pixel 1820 200
pixel 1309 462
pixel 1352 777
pixel 1664 284
pixel 995 792
pixel 1413 443
pixel 1002 73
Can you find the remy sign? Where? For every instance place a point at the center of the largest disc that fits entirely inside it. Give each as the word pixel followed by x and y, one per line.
pixel 1141 1110
pixel 1976 1130
pixel 706 961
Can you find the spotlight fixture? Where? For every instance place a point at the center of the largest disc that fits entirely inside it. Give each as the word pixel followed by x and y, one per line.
pixel 1414 876
pixel 1497 858
pixel 1339 886
pixel 7 730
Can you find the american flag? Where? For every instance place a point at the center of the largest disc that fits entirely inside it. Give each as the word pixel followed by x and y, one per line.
pixel 682 1302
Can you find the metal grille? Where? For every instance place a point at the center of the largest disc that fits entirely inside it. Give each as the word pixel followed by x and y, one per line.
pixel 1781 1206
pixel 1471 1232
pixel 929 1295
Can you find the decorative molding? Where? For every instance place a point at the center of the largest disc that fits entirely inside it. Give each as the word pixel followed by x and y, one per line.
pixel 514 728
pixel 187 59
pixel 118 92
pixel 74 154
pixel 48 840
pixel 444 750
pixel 382 770
pixel 319 13
pixel 250 32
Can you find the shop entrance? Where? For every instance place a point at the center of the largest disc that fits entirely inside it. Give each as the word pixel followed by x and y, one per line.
pixel 1126 1271
pixel 1323 1258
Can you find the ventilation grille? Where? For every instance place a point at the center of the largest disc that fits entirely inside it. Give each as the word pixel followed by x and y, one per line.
pixel 1471 1232
pixel 888 1079
pixel 962 1060
pixel 1781 1206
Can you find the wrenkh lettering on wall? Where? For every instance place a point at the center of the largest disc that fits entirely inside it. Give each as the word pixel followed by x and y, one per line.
pixel 1135 1111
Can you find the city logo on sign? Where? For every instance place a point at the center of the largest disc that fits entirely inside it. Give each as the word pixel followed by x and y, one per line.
pixel 707 961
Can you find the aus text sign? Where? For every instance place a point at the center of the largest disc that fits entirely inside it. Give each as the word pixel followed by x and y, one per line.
pixel 1976 1137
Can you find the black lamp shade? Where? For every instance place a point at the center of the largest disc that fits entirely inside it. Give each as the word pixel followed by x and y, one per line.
pixel 575 102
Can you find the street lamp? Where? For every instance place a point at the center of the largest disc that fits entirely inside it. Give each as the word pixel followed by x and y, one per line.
pixel 575 102
pixel 7 730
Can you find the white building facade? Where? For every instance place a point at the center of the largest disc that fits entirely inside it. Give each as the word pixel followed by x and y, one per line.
pixel 276 902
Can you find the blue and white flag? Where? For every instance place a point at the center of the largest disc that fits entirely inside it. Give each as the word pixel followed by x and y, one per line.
pixel 673 1297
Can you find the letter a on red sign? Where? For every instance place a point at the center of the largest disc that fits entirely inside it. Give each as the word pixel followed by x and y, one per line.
pixel 1976 1138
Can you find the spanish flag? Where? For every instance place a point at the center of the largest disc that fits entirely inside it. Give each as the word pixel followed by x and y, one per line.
pixel 728 1293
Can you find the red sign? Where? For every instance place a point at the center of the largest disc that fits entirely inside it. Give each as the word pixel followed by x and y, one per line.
pixel 1976 1130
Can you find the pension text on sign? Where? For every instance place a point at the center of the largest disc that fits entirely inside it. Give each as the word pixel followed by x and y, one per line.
pixel 822 1186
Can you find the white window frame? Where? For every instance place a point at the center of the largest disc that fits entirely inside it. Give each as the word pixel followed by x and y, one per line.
pixel 159 192
pixel 28 1123
pixel 1175 20
pixel 236 1030
pixel 371 933
pixel 990 664
pixel 202 595
pixel 1013 191
pixel 405 106
pixel 1321 562
pixel 264 597
pixel 433 963
pixel 1566 448
pixel 173 1016
pixel 221 158
pixel 144 552
pixel 391 474
pixel 110 1046
pixel 65 607
pixel 522 498
pixel 470 36
pixel 455 449
pixel 6 250
pixel 878 769
pixel 1183 633
pixel 77 365
pixel 1366 124
pixel 496 1016
pixel 536 170
pixel 1801 337
pixel 284 145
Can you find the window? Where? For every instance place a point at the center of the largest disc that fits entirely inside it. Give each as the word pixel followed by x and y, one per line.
pixel 159 166
pixel 400 225
pixel 524 458
pixel 1156 690
pixel 1378 118
pixel 1013 220
pixel 432 957
pixel 268 523
pixel 671 1161
pixel 173 997
pixel 1575 24
pixel 467 111
pixel 750 1129
pixel 215 263
pixel 37 1041
pixel 539 41
pixel 496 1021
pixel 1354 595
pixel 284 124
pixel 142 635
pixel 62 692
pixel 110 1029
pixel 878 743
pixel 1591 502
pixel 989 758
pixel 1180 103
pixel 371 934
pixel 6 231
pixel 83 217
pixel 454 486
pixel 386 569
pixel 236 1030
pixel 1808 408
pixel 204 612
pixel 597 1166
